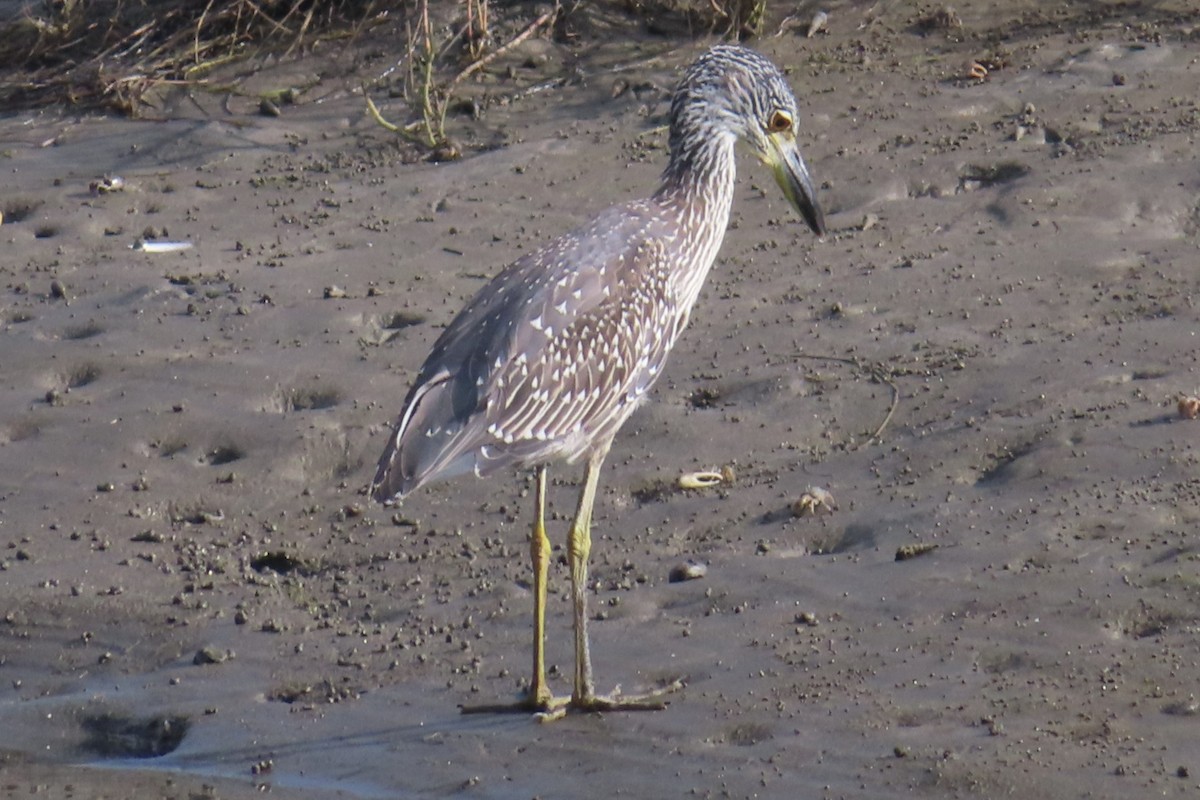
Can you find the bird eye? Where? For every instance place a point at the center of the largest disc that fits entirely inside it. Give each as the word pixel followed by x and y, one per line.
pixel 780 121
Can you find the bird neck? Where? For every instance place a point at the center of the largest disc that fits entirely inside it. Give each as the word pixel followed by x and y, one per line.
pixel 701 171
pixel 697 188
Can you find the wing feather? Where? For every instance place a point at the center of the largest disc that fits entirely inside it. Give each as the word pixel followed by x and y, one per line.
pixel 552 350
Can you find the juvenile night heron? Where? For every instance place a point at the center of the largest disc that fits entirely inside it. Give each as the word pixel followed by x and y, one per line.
pixel 552 356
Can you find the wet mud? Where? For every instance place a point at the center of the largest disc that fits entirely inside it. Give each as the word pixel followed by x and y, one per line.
pixel 980 365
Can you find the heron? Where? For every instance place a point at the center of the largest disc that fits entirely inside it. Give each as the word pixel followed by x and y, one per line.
pixel 550 358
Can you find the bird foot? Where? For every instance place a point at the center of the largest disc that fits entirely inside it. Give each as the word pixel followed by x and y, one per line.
pixel 547 708
pixel 531 703
pixel 596 704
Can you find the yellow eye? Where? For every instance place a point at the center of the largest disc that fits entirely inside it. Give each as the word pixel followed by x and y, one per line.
pixel 780 121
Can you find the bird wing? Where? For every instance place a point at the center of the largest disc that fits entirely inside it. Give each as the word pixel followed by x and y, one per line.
pixel 569 371
pixel 559 339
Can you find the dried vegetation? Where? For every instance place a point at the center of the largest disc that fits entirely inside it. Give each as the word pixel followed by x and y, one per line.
pixel 108 54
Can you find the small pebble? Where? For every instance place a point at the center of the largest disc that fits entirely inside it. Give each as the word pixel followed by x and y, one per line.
pixel 211 655
pixel 688 571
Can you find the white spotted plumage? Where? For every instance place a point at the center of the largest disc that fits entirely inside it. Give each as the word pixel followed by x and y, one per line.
pixel 553 355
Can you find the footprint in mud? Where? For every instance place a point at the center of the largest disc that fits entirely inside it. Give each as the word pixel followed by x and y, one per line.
pixel 382 328
pixel 19 209
pixel 705 397
pixel 748 734
pixel 815 535
pixel 306 398
pixel 59 384
pixel 748 392
pixel 81 376
pixel 84 330
pixel 1007 663
pixel 224 453
pixel 118 736
pixel 20 430
pixel 1144 621
pixel 282 563
pixel 855 536
pixel 169 447
pixel 984 176
pixel 398 320
pixel 1011 463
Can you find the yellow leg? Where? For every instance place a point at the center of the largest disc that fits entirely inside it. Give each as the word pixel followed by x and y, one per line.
pixel 579 545
pixel 539 547
pixel 539 698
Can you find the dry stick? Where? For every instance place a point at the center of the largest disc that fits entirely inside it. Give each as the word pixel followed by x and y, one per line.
pixel 640 63
pixel 520 37
pixel 291 11
pixel 426 98
pixel 367 19
pixel 199 27
pixel 449 43
pixel 654 131
pixel 259 12
pixel 303 30
pixel 878 374
pixel 141 34
pixel 470 28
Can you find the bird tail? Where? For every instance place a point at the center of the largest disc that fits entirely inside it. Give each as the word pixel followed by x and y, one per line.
pixel 390 483
pixel 396 475
pixel 427 442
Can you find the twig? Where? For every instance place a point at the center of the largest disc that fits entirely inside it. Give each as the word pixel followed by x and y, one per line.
pixel 877 373
pixel 654 131
pixel 300 36
pixel 641 63
pixel 520 37
pixel 199 27
pixel 279 26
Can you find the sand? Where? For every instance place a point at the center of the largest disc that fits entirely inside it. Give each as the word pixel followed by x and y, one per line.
pixel 980 363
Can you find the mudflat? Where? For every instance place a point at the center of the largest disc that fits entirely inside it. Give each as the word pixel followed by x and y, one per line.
pixel 980 364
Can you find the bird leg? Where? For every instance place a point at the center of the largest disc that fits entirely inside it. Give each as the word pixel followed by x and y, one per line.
pixel 539 698
pixel 579 548
pixel 579 545
pixel 539 547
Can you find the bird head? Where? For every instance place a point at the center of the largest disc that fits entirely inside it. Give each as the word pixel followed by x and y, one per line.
pixel 734 91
